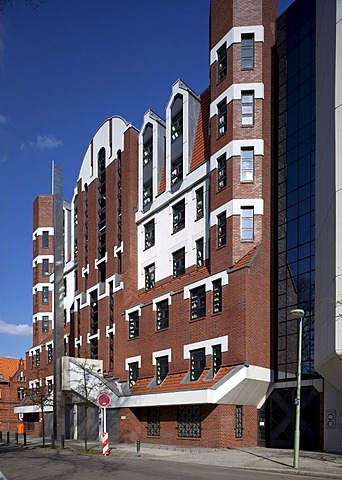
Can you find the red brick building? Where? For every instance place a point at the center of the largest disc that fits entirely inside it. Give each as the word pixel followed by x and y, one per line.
pixel 12 391
pixel 167 254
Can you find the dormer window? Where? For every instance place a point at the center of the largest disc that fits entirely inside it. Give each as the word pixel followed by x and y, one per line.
pixel 147 167
pixel 148 145
pixel 177 118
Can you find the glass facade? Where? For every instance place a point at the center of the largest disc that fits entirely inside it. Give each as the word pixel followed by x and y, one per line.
pixel 296 187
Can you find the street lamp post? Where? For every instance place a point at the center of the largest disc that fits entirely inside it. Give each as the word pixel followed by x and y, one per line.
pixel 298 314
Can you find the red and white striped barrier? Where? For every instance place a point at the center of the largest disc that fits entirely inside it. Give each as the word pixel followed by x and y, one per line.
pixel 105 444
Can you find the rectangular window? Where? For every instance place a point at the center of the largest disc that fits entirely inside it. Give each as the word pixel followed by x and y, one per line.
pixel 49 386
pixel 238 421
pixel 178 216
pixel 197 363
pixel 162 369
pixel 153 421
pixel 221 63
pixel 133 372
pixel 149 234
pixel 162 315
pixel 247 108
pixel 45 239
pixel 133 324
pixel 217 358
pixel 189 421
pixel 197 303
pixel 149 277
pixel 49 353
pixel 37 358
pixel 176 171
pixel 247 50
pixel 20 393
pixel 247 165
pixel 45 294
pixel 221 172
pixel 147 193
pixel 247 223
pixel 217 296
pixel 178 263
pixel 45 266
pixel 199 253
pixel 221 230
pixel 222 117
pixel 199 203
pixel 45 324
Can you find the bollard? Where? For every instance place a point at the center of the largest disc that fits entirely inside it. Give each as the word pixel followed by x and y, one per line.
pixel 1 436
pixel 62 441
pixel 16 438
pixel 25 443
pixel 8 437
pixel 53 441
pixel 138 448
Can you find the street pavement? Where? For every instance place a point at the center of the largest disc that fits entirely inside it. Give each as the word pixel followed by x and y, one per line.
pixel 314 464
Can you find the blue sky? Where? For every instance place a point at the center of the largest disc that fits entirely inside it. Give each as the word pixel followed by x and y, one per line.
pixel 64 69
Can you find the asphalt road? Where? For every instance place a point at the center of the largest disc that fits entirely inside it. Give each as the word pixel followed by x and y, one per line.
pixel 38 464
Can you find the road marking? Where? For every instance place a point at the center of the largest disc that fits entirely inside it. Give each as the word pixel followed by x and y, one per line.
pixel 2 476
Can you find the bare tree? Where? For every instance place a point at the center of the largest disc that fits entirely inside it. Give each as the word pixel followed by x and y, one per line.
pixel 40 394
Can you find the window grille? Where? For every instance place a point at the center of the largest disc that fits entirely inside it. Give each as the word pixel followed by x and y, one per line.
pixel 238 421
pixel 153 422
pixel 189 421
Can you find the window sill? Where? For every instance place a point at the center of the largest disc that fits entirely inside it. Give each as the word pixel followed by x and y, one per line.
pixel 221 189
pixel 189 438
pixel 222 80
pixel 247 241
pixel 216 314
pixel 247 126
pixel 246 181
pixel 221 246
pixel 220 135
pixel 161 329
pixel 197 319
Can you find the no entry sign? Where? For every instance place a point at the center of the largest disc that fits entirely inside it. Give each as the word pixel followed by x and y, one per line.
pixel 103 400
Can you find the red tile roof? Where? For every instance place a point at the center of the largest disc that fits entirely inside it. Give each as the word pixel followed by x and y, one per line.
pixel 8 367
pixel 201 147
pixel 172 382
pixel 246 260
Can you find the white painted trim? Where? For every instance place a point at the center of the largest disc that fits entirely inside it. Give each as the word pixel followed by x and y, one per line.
pixel 207 344
pixel 234 36
pixel 39 231
pixel 233 149
pixel 39 287
pixel 66 337
pixel 156 300
pixel 161 353
pixel 118 249
pixel 234 93
pixel 101 260
pixel 94 336
pixel 85 270
pixel 233 207
pixel 132 360
pixel 208 282
pixel 110 330
pixel 47 345
pixel 39 259
pixel 78 342
pixel 49 377
pixel 137 308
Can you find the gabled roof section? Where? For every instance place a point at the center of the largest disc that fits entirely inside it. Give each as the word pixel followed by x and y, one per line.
pixel 8 367
pixel 201 146
pixel 247 260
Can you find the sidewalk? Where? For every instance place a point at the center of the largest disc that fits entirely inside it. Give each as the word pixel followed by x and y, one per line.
pixel 318 464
